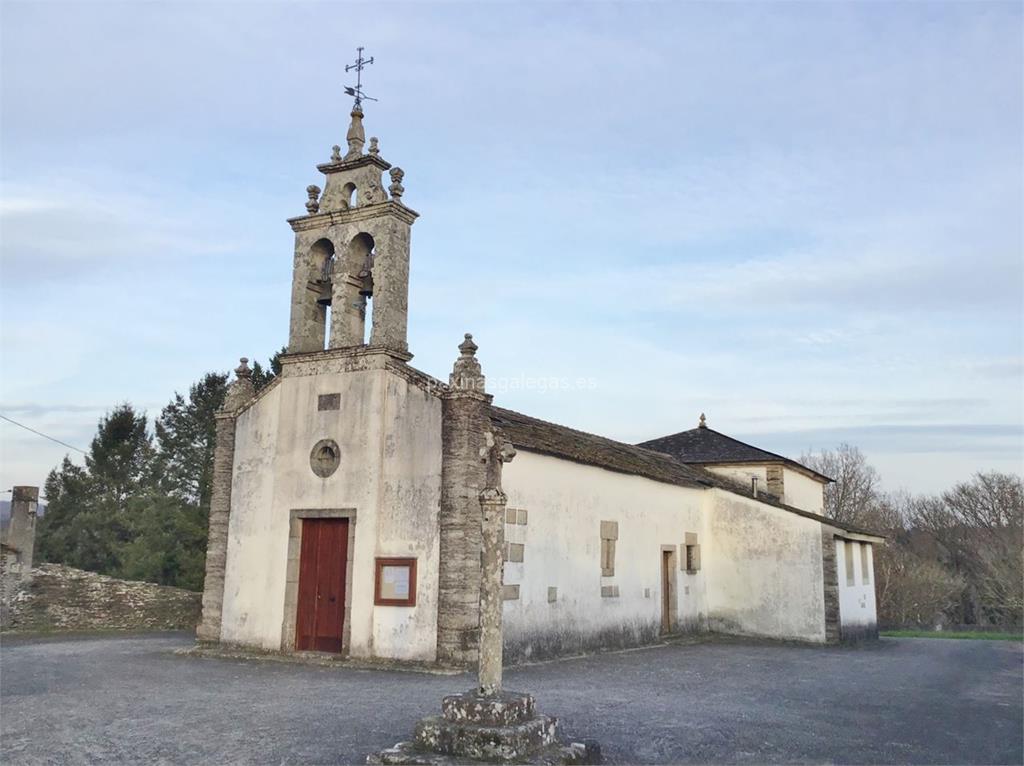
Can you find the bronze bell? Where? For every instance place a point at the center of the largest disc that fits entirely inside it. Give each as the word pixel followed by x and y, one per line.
pixel 323 283
pixel 324 288
pixel 366 276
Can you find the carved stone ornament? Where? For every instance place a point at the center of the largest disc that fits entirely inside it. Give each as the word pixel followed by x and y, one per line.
pixel 396 188
pixel 325 458
pixel 313 205
pixel 335 153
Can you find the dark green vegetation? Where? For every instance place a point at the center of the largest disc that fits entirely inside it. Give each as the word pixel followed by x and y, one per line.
pixel 139 507
pixel 968 634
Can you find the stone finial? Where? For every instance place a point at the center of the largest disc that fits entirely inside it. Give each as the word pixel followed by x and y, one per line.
pixel 396 188
pixel 468 347
pixel 313 204
pixel 335 153
pixel 466 372
pixel 356 137
pixel 374 148
pixel 241 390
pixel 703 421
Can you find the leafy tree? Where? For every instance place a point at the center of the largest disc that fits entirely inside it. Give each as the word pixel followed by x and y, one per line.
pixel 978 525
pixel 854 496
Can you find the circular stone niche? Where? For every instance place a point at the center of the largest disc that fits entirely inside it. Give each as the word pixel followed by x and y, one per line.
pixel 325 457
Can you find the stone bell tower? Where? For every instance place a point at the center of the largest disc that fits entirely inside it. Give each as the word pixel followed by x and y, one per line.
pixel 352 247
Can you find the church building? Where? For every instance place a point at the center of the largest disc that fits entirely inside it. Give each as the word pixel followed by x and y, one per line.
pixel 346 511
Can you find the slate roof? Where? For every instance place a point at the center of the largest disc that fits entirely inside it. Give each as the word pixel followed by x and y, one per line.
pixel 705 446
pixel 534 435
pixel 560 441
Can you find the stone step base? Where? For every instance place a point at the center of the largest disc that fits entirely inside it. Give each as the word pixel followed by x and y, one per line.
pixel 406 754
pixel 486 743
pixel 501 709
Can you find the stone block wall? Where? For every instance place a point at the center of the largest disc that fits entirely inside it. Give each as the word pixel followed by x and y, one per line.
pixel 60 598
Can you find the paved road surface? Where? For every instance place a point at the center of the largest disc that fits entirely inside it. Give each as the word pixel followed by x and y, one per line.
pixel 130 699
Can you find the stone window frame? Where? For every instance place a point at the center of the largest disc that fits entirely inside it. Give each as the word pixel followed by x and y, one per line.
pixel 324 458
pixel 673 588
pixel 865 568
pixel 609 535
pixel 291 586
pixel 689 554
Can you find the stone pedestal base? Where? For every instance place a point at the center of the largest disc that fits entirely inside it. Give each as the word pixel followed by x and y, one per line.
pixel 498 729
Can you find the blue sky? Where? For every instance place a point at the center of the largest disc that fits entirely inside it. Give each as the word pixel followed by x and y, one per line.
pixel 801 219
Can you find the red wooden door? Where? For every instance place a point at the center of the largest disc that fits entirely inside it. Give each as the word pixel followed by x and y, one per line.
pixel 323 562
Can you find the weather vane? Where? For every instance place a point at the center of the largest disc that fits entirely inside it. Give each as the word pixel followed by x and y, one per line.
pixel 357 91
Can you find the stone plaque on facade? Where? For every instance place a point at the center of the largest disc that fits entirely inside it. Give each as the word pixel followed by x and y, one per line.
pixel 328 402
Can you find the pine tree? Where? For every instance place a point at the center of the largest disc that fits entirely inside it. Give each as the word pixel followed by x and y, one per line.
pixel 185 433
pixel 262 376
pixel 89 524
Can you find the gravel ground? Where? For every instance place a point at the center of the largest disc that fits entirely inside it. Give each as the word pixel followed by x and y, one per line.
pixel 130 699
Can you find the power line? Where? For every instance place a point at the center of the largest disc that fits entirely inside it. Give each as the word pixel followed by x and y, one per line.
pixel 40 433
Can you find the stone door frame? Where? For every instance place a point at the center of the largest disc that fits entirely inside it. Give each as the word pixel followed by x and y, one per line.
pixel 291 587
pixel 667 571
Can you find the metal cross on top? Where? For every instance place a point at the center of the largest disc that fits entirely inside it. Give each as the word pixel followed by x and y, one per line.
pixel 357 90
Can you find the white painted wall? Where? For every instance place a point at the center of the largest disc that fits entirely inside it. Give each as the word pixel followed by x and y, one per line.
pixel 802 491
pixel 743 474
pixel 857 608
pixel 566 503
pixel 389 433
pixel 763 570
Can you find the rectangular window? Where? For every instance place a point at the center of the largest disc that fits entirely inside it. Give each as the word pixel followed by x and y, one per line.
pixel 692 558
pixel 848 555
pixel 691 554
pixel 865 565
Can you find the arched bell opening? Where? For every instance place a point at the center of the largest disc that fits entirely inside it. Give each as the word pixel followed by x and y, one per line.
pixel 349 196
pixel 353 293
pixel 321 278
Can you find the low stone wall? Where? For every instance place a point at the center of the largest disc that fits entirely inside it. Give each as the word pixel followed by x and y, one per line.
pixel 59 598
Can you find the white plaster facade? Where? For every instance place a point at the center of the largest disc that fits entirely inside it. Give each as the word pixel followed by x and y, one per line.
pixel 565 504
pixel 764 570
pixel 855 567
pixel 802 491
pixel 389 432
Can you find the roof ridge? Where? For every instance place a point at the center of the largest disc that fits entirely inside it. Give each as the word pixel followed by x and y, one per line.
pixel 706 429
pixel 696 473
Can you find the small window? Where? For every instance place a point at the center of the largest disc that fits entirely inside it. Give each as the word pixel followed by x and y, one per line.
pixel 692 558
pixel 865 565
pixel 325 458
pixel 848 555
pixel 691 554
pixel 395 582
pixel 609 534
